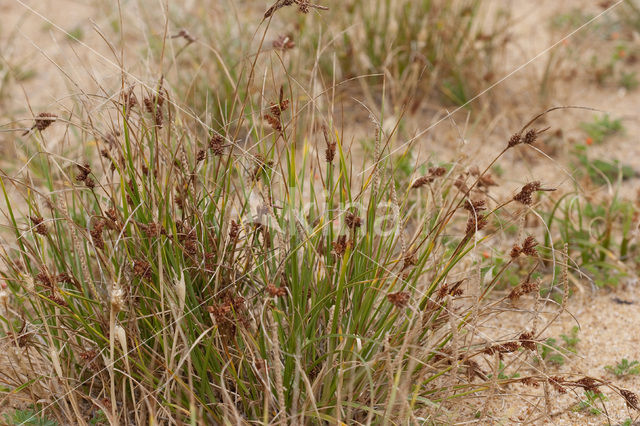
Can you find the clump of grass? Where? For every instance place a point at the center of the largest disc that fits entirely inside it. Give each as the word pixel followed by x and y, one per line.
pixel 180 272
pixel 440 50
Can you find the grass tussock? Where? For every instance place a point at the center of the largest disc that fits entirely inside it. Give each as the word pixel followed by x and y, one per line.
pixel 249 268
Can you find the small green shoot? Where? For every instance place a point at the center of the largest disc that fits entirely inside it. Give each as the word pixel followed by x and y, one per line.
pixel 502 375
pixel 28 417
pixel 571 340
pixel 554 353
pixel 590 403
pixel 624 368
pixel 602 127
pixel 629 80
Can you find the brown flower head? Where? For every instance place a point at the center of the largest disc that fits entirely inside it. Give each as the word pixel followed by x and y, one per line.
pixel 589 384
pixel 515 139
pixel 529 246
pixel 530 137
pixel 45 120
pixel 502 349
pixel 461 185
pixel 216 144
pixel 330 152
pixel 340 245
pixel 437 171
pixel 476 222
pixel 527 342
pixel 90 358
pixel 83 172
pixel 142 269
pixel 153 229
pixel 524 288
pixel 234 231
pixel 530 381
pixel 38 223
pixel 96 233
pixel 183 33
pixel 630 398
pixel 557 383
pixel 450 289
pixel 485 181
pixel 352 221
pixel 524 196
pixel 422 181
pixel 399 299
pixel 275 291
pixel 474 206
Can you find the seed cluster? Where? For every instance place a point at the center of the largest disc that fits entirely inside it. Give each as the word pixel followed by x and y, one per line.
pixel 399 299
pixel 434 172
pixel 528 248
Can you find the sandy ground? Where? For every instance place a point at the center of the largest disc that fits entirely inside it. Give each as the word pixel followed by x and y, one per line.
pixel 51 63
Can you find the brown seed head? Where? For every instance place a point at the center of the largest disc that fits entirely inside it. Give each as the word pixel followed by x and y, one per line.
pixel 502 349
pixel 474 206
pixel 38 223
pixel 557 383
pixel 524 196
pixel 96 233
pixel 142 269
pixel 274 122
pixel 153 229
pixel 422 181
pixel 234 231
pixel 529 246
pixel 352 221
pixel 437 171
pixel 340 245
pixel 530 137
pixel 183 33
pixel 527 342
pixel 399 299
pixel 44 120
pixel 530 381
pixel 83 172
pixel 515 139
pixel 330 152
pixel 216 144
pixel 476 222
pixel 589 384
pixel 90 358
pixel 461 185
pixel 524 288
pixel 630 398
pixel 275 291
